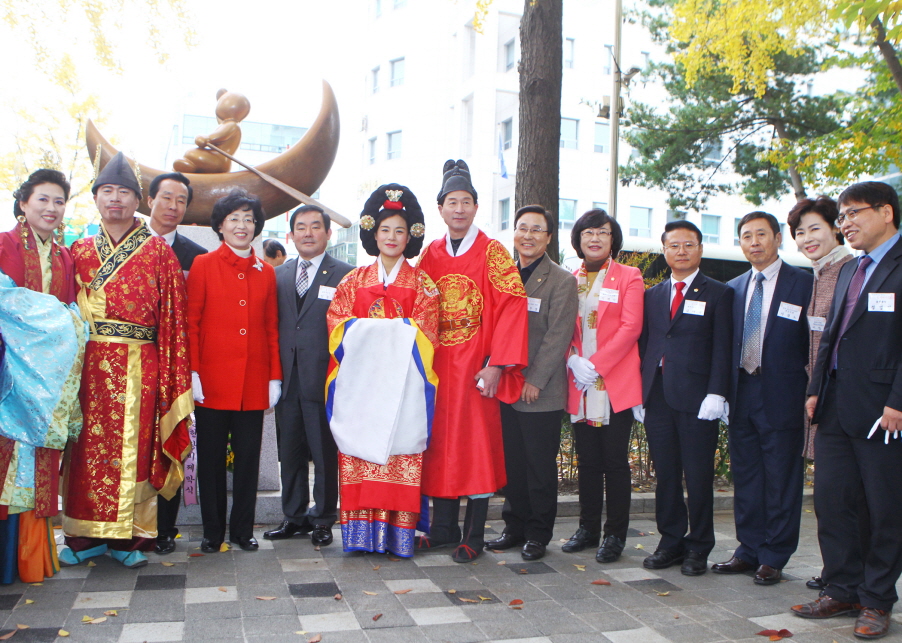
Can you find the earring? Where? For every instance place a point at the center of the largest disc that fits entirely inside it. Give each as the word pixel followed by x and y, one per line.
pixel 23 230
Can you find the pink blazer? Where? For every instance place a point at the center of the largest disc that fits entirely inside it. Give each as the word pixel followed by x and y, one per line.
pixel 618 328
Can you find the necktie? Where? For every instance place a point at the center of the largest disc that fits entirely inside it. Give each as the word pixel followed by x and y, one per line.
pixel 852 295
pixel 751 333
pixel 677 298
pixel 303 282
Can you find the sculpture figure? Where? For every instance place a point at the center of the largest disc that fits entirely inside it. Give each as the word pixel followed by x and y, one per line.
pixel 231 109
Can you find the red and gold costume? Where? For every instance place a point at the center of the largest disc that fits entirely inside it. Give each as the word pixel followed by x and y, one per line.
pixel 380 504
pixel 482 323
pixel 46 268
pixel 136 390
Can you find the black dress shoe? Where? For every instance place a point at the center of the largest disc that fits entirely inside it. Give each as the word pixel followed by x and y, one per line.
pixel 165 545
pixel 210 546
pixel 247 544
pixel 767 575
pixel 582 539
pixel 694 564
pixel 662 559
pixel 732 566
pixel 610 550
pixel 816 582
pixel 322 535
pixel 532 550
pixel 505 541
pixel 287 529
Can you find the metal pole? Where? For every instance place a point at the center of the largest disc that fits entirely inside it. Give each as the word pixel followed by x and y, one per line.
pixel 615 110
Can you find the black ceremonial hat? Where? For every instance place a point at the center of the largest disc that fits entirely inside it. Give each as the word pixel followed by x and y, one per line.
pixel 456 177
pixel 386 201
pixel 117 172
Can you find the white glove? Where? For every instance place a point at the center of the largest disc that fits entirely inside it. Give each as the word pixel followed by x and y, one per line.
pixel 275 391
pixel 639 413
pixel 712 407
pixel 725 418
pixel 582 388
pixel 583 370
pixel 196 389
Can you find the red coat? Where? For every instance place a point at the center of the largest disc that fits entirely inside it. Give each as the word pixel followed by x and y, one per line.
pixel 233 326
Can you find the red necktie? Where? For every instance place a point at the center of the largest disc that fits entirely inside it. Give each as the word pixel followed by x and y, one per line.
pixel 677 298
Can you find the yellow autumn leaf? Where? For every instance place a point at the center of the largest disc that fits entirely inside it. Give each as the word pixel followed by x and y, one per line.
pixel 223 589
pixel 168 564
pixel 483 598
pixel 62 633
pixel 266 598
pixel 663 593
pixel 369 593
pixel 91 563
pixel 224 547
pixel 97 621
pixel 178 535
pixel 28 601
pixel 377 567
pixel 640 546
pixel 111 613
pixel 19 626
pixel 581 568
pixel 452 591
pixel 87 619
pixel 37 584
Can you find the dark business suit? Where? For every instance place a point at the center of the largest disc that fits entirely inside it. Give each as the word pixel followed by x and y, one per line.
pixel 868 377
pixel 168 510
pixel 767 429
pixel 696 350
pixel 301 412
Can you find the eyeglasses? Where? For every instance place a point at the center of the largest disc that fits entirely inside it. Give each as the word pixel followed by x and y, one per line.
pixel 536 230
pixel 588 234
pixel 851 215
pixel 688 246
pixel 245 220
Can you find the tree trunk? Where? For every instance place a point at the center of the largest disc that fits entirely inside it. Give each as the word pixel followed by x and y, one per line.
pixel 889 53
pixel 794 176
pixel 538 167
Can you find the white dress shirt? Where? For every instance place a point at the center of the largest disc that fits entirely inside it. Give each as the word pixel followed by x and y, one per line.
pixel 688 281
pixel 311 270
pixel 769 284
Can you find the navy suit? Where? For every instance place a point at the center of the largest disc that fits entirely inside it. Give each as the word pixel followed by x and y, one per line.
pixel 868 377
pixel 697 361
pixel 767 428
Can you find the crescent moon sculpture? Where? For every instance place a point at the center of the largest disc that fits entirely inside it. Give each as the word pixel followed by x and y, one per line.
pixel 304 167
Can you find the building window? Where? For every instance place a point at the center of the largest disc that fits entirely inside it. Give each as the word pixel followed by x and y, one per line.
pixel 675 215
pixel 736 232
pixel 599 205
pixel 566 210
pixel 710 228
pixel 569 131
pixel 608 59
pixel 394 145
pixel 507 133
pixel 397 72
pixel 372 150
pixel 646 60
pixel 504 208
pixel 510 54
pixel 255 137
pixel 602 138
pixel 374 79
pixel 713 152
pixel 640 221
pixel 569 50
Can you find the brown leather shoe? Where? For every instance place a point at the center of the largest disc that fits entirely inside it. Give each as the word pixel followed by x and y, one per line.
pixel 872 623
pixel 826 607
pixel 767 575
pixel 732 566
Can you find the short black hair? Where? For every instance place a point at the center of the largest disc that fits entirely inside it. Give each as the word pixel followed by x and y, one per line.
pixel 596 219
pixel 537 209
pixel 681 224
pixel 758 214
pixel 875 194
pixel 272 248
pixel 822 205
pixel 472 193
pixel 327 220
pixel 171 176
pixel 44 175
pixel 237 199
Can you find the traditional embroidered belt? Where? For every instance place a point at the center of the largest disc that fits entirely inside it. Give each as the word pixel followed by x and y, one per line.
pixel 456 324
pixel 113 331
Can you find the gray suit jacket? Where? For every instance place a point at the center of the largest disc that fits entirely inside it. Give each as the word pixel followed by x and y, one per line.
pixel 550 333
pixel 303 335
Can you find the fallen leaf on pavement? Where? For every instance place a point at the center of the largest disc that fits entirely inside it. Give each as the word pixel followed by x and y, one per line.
pixel 6 637
pixel 403 591
pixel 377 617
pixel 601 581
pixel 641 533
pixel 87 619
pixel 168 564
pixel 178 535
pixel 393 559
pixel 663 593
pixel 194 555
pixel 28 601
pixel 111 613
pixel 337 597
pixel 452 591
pixel 524 571
pixel 377 567
pixel 316 638
pixel 581 568
pixel 502 562
pixel 516 601
pixel 37 584
pixel 483 598
pixel 721 490
pixel 497 551
pixel 266 598
pixel 91 563
pixel 640 546
pixel 224 547
pixel 97 621
pixel 62 633
pixel 467 600
pixel 369 593
pixel 808 511
pixel 301 632
pixel 223 589
pixel 316 549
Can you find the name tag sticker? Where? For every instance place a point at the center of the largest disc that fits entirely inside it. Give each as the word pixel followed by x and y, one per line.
pixel 789 311
pixel 326 292
pixel 882 302
pixel 691 307
pixel 817 323
pixel 533 304
pixel 610 295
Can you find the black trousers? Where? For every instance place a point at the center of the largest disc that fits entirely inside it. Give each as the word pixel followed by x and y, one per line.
pixel 167 514
pixel 213 428
pixel 854 572
pixel 304 435
pixel 604 470
pixel 681 445
pixel 531 444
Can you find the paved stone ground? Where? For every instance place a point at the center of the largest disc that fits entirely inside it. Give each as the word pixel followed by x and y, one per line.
pixel 214 597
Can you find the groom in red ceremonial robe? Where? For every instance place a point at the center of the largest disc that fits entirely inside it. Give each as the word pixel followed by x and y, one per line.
pixel 483 346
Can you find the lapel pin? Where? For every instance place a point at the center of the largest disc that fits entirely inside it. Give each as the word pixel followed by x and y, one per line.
pixel 325 273
pixel 612 279
pixel 695 290
pixel 540 280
